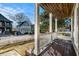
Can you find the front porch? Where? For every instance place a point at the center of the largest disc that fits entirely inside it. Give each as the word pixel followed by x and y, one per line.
pixel 56 11
pixel 51 43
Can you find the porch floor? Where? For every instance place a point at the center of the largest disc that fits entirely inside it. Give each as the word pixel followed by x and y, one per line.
pixel 59 47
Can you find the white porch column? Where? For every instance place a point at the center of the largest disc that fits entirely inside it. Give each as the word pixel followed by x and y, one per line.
pixel 55 34
pixel 50 26
pixel 76 27
pixel 71 28
pixel 50 22
pixel 55 25
pixel 37 29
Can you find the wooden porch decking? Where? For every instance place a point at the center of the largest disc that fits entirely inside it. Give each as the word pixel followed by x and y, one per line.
pixel 59 47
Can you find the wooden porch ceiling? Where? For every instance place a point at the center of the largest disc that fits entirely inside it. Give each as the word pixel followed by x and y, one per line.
pixel 59 10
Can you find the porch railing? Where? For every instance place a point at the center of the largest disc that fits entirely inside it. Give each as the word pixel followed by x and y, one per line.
pixel 45 38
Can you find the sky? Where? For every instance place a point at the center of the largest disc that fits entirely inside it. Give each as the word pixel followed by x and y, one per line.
pixel 26 8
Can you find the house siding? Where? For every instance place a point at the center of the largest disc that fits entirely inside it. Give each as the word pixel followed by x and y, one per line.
pixel 5 26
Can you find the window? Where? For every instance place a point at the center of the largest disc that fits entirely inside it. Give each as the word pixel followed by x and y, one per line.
pixel 7 23
pixel 8 30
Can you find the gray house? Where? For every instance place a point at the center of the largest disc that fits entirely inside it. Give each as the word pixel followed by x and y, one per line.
pixel 24 28
pixel 24 24
pixel 5 25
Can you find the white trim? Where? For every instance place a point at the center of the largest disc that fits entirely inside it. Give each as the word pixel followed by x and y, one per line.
pixel 64 32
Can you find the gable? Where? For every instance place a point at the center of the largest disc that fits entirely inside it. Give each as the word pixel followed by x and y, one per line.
pixel 2 18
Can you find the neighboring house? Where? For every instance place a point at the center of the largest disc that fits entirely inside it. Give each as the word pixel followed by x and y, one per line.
pixel 24 27
pixel 24 24
pixel 5 25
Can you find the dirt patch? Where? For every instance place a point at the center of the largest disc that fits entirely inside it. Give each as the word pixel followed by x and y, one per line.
pixel 20 47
